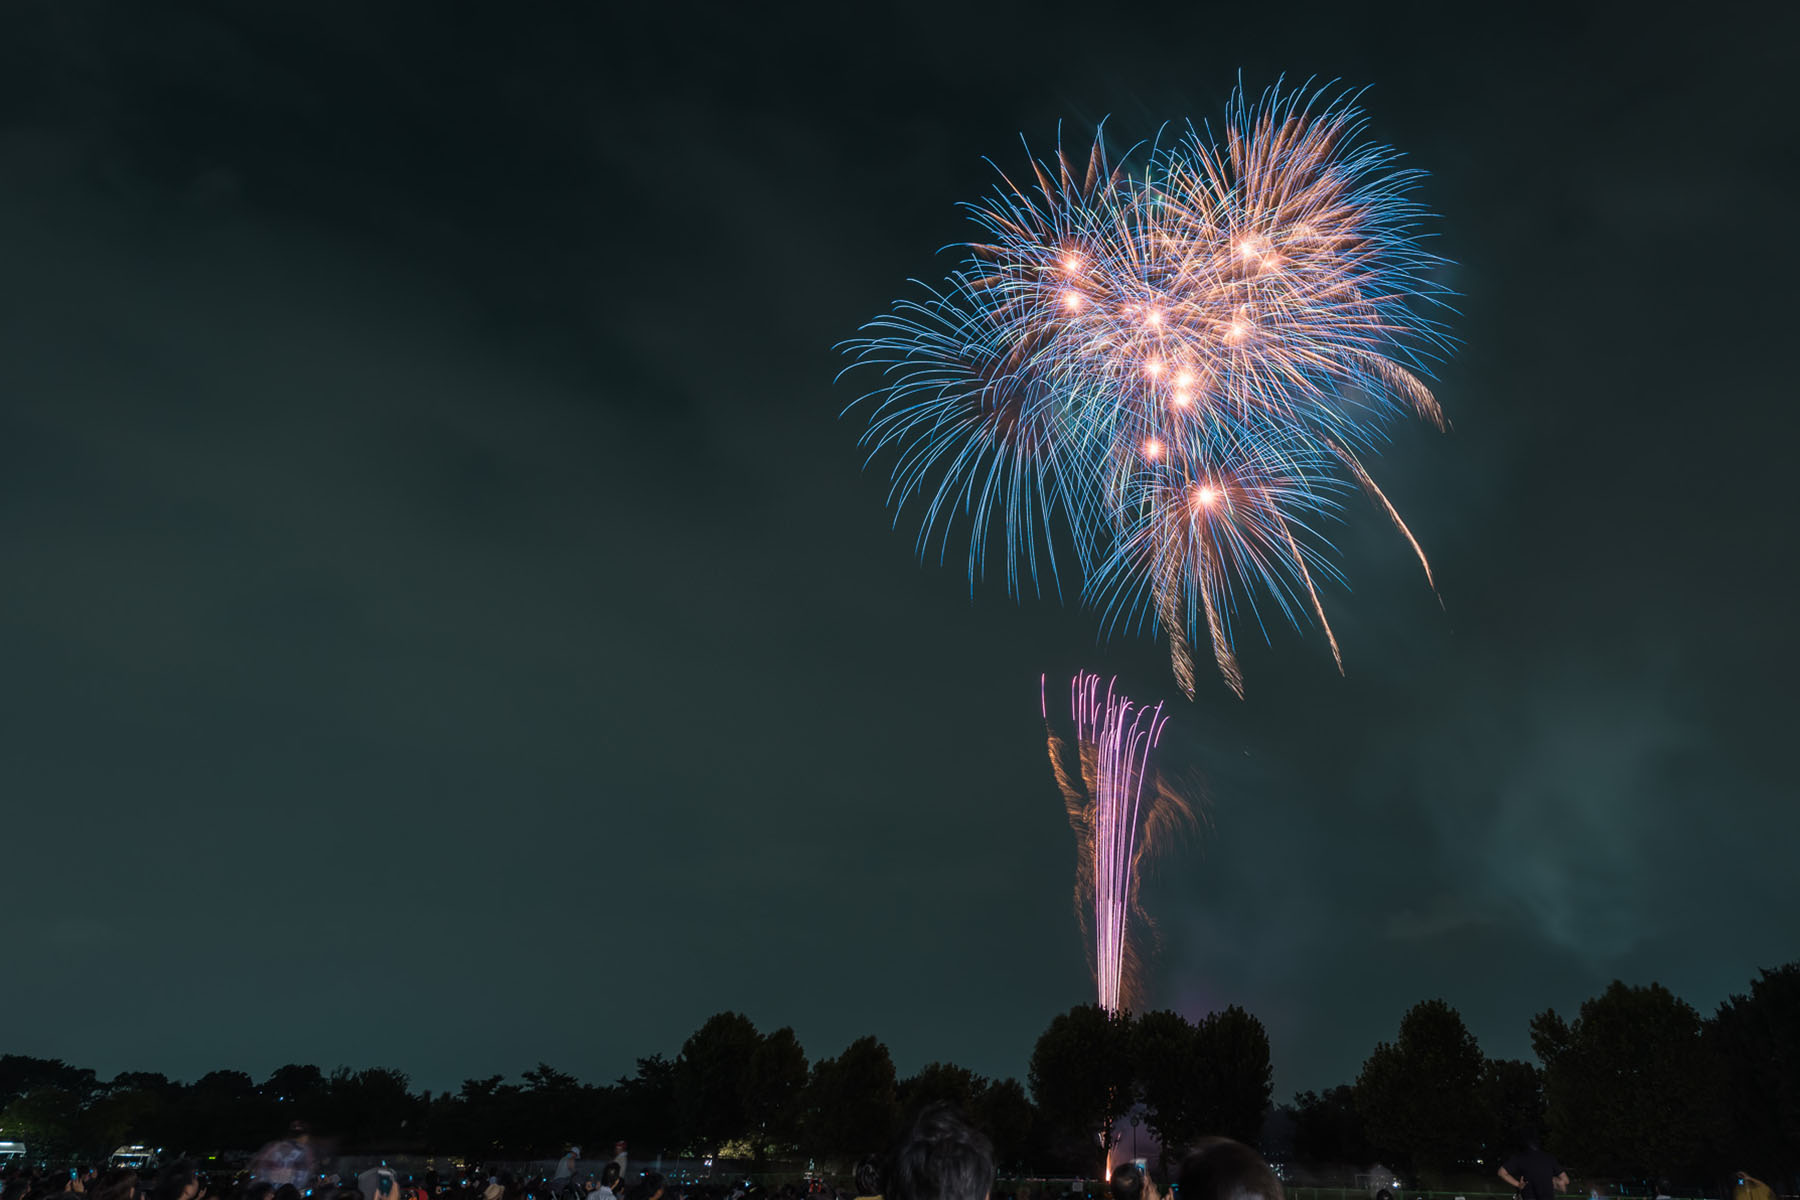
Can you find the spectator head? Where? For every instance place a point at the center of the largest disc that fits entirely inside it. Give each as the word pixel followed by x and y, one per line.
pixel 115 1183
pixel 653 1186
pixel 941 1157
pixel 176 1181
pixel 868 1175
pixel 1221 1169
pixel 609 1176
pixel 1132 1182
pixel 287 1191
pixel 379 1183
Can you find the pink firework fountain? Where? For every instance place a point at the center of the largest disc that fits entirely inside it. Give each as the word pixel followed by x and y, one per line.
pixel 1119 808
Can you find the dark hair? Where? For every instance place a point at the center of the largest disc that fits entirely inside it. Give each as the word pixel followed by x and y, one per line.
pixel 287 1191
pixel 941 1157
pixel 609 1176
pixel 260 1189
pixel 173 1180
pixel 868 1175
pixel 1221 1169
pixel 115 1183
pixel 1128 1182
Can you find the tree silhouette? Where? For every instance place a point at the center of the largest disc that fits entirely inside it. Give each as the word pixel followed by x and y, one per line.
pixel 643 1109
pixel 1165 1055
pixel 1004 1112
pixel 1635 1085
pixel 1512 1102
pixel 1417 1094
pixel 1231 1061
pixel 1754 1041
pixel 21 1074
pixel 1627 1084
pixel 940 1083
pixel 295 1085
pixel 370 1108
pixel 709 1080
pixel 850 1103
pixel 1082 1079
pixel 773 1085
pixel 1329 1129
pixel 45 1118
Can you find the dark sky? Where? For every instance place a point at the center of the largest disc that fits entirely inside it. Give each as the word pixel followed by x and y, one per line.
pixel 431 552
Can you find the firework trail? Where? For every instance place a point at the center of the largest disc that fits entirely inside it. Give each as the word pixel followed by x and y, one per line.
pixel 1174 371
pixel 1120 810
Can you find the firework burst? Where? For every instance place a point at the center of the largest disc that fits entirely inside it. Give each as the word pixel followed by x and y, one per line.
pixel 1121 811
pixel 1175 370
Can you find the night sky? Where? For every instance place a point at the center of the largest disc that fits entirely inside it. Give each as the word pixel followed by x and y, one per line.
pixel 445 624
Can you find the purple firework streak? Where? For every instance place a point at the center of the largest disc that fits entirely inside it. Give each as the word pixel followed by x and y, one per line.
pixel 1120 808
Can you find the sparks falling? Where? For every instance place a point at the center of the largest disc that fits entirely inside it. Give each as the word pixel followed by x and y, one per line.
pixel 1120 809
pixel 1170 375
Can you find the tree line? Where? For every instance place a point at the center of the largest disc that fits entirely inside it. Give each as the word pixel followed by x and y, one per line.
pixel 732 1091
pixel 1636 1084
